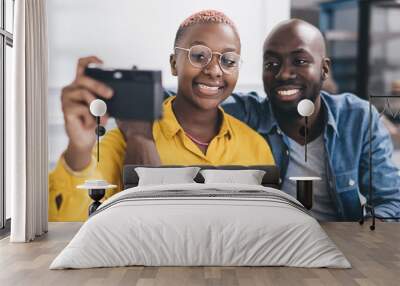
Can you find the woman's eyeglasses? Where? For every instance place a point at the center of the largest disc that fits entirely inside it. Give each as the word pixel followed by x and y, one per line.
pixel 200 56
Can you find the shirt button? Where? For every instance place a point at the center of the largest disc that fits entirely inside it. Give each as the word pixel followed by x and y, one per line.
pixel 280 181
pixel 351 182
pixel 279 131
pixel 287 152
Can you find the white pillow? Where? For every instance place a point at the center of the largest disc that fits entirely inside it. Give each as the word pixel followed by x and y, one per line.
pixel 248 177
pixel 163 176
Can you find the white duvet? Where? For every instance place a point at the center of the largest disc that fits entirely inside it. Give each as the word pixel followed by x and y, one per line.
pixel 201 224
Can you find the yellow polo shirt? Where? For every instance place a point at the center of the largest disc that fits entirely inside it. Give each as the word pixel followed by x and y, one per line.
pixel 235 144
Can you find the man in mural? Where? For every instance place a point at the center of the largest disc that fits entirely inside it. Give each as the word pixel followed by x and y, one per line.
pixel 294 68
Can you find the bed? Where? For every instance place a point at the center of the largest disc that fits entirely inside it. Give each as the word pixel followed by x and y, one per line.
pixel 201 224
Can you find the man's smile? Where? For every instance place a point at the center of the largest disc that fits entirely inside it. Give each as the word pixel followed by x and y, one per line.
pixel 288 93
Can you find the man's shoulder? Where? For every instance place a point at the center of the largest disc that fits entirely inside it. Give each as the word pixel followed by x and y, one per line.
pixel 344 101
pixel 348 112
pixel 249 107
pixel 251 97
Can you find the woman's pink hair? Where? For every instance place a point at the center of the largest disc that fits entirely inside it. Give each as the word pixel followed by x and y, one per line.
pixel 204 17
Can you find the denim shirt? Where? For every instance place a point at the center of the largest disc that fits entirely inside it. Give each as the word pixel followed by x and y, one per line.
pixel 346 140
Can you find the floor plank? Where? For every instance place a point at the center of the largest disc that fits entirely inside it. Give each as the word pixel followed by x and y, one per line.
pixel 374 255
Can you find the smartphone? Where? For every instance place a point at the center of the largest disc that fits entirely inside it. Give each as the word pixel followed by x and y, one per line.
pixel 138 94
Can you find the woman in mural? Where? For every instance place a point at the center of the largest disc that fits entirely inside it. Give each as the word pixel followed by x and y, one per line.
pixel 193 130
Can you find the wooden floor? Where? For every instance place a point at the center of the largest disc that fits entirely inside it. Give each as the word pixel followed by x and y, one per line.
pixel 374 255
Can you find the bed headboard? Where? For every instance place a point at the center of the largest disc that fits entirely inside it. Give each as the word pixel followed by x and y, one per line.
pixel 270 179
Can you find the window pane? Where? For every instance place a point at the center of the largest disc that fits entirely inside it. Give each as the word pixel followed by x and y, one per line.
pixel 8 69
pixel 2 197
pixel 1 14
pixel 10 15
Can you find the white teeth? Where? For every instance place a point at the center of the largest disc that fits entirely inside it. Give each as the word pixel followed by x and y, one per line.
pixel 288 92
pixel 208 87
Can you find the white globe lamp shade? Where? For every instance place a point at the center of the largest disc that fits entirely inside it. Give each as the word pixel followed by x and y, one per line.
pixel 98 107
pixel 305 107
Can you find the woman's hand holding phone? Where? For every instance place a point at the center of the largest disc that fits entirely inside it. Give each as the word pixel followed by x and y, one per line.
pixel 79 122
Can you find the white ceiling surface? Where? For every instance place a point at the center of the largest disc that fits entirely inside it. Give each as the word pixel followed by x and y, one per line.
pixel 126 32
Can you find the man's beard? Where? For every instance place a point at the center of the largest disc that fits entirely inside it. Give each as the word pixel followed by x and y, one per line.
pixel 289 111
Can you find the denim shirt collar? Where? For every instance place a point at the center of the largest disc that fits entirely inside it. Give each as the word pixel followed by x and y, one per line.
pixel 270 123
pixel 329 115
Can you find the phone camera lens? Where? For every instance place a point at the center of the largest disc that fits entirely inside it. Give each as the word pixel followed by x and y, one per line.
pixel 117 75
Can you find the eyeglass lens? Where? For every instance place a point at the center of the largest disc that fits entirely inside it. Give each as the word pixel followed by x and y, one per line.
pixel 200 56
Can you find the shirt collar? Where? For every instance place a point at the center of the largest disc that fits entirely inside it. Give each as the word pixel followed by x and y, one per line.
pixel 171 125
pixel 330 119
pixel 168 122
pixel 269 122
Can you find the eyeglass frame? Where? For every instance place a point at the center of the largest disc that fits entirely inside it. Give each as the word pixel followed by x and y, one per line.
pixel 212 53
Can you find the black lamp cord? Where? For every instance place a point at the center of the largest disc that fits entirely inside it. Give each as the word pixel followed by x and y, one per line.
pixel 305 138
pixel 98 137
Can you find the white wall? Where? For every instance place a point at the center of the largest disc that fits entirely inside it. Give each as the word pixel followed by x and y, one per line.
pixel 128 32
pixel 307 3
